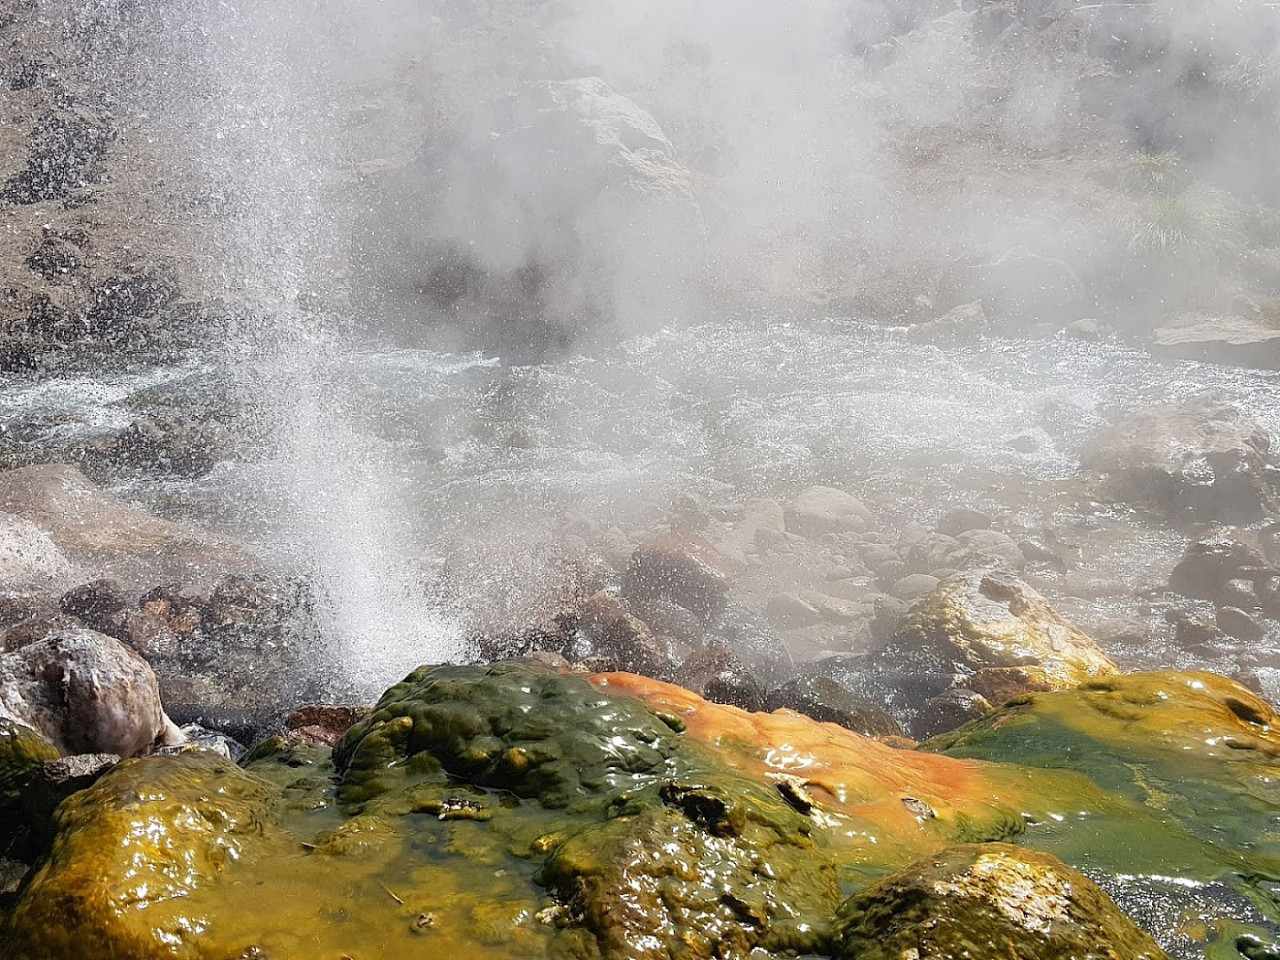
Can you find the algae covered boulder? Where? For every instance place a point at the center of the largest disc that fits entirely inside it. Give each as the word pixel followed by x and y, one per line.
pixel 512 726
pixel 22 754
pixel 988 900
pixel 998 634
pixel 1198 750
pixel 128 854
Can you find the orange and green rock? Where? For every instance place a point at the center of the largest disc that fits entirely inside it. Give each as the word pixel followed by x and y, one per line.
pixel 511 810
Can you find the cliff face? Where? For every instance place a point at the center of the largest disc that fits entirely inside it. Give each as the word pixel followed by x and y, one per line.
pixel 97 262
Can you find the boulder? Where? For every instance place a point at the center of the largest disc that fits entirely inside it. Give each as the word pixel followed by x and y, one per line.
pixel 716 674
pixel 682 567
pixel 819 511
pixel 989 619
pixel 537 214
pixel 1217 558
pixel 84 692
pixel 948 710
pixel 1238 341
pixel 1201 459
pixel 826 696
pixel 325 722
pixel 30 560
pixel 988 900
pixel 106 538
pixel 960 520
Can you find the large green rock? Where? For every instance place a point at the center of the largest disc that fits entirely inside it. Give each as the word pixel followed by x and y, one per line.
pixel 988 900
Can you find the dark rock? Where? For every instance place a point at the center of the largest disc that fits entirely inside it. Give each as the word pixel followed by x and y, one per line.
pixel 1215 559
pixel 610 629
pixel 64 148
pixel 961 520
pixel 1234 622
pixel 717 674
pixel 159 447
pixel 101 605
pixel 1238 593
pixel 57 780
pixel 948 710
pixel 888 614
pixel 685 568
pixel 1202 459
pixel 826 695
pixel 54 260
pixel 1191 629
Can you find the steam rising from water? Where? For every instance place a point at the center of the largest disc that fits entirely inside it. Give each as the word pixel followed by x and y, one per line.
pixel 538 178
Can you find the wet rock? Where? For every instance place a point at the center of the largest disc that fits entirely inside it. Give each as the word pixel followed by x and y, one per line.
pixel 65 147
pixel 84 692
pixel 159 447
pixel 611 630
pixel 23 753
pixel 828 697
pixel 948 710
pixel 196 737
pixel 819 511
pixel 990 619
pixel 1202 459
pixel 59 779
pixel 717 674
pixel 106 538
pixel 1234 622
pixel 101 605
pixel 790 610
pixel 685 568
pixel 201 812
pixel 1194 742
pixel 326 722
pixel 960 520
pixel 914 586
pixel 988 899
pixel 1214 560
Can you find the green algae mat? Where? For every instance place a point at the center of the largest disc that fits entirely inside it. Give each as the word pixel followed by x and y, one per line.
pixel 511 811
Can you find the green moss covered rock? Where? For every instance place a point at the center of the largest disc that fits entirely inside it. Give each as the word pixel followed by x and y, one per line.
pixel 22 753
pixel 1197 750
pixel 988 900
pixel 129 853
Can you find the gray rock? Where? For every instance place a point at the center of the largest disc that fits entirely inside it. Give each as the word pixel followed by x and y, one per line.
pixel 85 692
pixel 914 586
pixel 1202 459
pixel 1234 622
pixel 819 511
pixel 960 520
